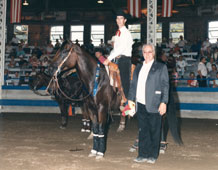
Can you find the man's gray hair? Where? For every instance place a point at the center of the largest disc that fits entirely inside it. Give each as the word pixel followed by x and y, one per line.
pixel 151 45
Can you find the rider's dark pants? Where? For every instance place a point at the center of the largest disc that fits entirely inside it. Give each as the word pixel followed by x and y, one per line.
pixel 124 64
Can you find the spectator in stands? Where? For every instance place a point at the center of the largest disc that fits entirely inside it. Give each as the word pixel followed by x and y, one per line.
pixel 192 82
pixel 49 48
pixel 176 49
pixel 16 79
pixel 20 51
pixel 57 45
pixel 22 63
pixel 14 40
pixel 33 72
pixel 216 54
pixel 164 43
pixel 101 45
pixel 182 42
pixel 24 80
pixel 175 77
pixel 6 75
pixel 212 75
pixel 216 81
pixel 194 48
pixel 12 62
pixel 171 44
pixel 206 47
pixel 36 51
pixel 202 73
pixel 26 49
pixel 181 66
pixel 44 62
pixel 90 47
pixel 35 62
pixel 77 42
pixel 209 65
pixel 8 48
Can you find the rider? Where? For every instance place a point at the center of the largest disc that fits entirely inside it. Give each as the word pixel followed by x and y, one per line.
pixel 121 52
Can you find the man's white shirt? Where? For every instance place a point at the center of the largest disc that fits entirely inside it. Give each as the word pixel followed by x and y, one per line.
pixel 141 84
pixel 122 44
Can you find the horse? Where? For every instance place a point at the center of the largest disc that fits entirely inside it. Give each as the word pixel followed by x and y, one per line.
pixel 71 87
pixel 100 104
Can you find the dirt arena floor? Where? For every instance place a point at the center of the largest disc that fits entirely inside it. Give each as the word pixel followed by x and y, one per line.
pixel 35 142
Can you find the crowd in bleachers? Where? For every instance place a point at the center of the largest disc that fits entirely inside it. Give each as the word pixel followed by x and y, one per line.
pixel 23 61
pixel 189 63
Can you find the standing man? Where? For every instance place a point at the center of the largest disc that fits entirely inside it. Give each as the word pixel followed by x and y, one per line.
pixel 122 51
pixel 150 90
pixel 202 73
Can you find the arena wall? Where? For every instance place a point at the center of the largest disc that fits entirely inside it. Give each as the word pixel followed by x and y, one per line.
pixel 192 102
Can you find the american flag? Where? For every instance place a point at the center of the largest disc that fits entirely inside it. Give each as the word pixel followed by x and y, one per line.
pixel 15 11
pixel 167 6
pixel 134 8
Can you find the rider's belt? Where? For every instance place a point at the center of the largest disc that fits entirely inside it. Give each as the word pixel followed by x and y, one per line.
pixel 122 56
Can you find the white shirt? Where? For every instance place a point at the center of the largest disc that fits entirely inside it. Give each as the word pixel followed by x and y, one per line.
pixel 122 44
pixel 205 45
pixel 182 43
pixel 141 85
pixel 181 64
pixel 209 66
pixel 202 68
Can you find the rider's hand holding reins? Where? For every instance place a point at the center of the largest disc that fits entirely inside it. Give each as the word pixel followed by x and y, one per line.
pixel 106 62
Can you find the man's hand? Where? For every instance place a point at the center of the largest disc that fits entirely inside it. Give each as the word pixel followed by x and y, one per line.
pixel 131 104
pixel 106 62
pixel 162 109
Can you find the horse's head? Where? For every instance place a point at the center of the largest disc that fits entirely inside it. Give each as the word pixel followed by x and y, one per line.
pixel 39 80
pixel 66 56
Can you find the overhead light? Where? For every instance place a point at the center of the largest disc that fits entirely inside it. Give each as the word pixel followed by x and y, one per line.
pixel 25 3
pixel 100 1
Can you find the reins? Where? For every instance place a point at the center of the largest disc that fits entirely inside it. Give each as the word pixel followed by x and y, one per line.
pixel 55 79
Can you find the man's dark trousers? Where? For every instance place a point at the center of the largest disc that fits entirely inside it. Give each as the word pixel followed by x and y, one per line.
pixel 124 65
pixel 149 132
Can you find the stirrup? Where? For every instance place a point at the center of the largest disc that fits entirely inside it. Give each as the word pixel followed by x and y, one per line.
pixel 121 127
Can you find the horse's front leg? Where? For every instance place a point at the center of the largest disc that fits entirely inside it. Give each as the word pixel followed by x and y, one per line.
pixel 102 115
pixel 64 114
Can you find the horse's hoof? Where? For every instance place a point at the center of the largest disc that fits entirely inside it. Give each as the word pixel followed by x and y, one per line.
pixel 83 130
pixel 99 156
pixel 132 149
pixel 62 127
pixel 92 153
pixel 90 136
pixel 88 131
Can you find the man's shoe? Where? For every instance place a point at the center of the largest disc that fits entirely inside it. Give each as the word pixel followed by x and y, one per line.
pixel 151 160
pixel 140 159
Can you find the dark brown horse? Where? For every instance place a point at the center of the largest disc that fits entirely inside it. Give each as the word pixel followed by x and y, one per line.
pixel 69 86
pixel 106 99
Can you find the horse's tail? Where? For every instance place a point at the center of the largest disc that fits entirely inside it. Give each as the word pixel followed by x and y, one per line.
pixel 172 120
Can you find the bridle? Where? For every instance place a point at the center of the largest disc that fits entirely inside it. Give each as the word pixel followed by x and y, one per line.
pixel 54 79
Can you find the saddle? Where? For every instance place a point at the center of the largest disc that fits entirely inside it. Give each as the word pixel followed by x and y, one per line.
pixel 114 75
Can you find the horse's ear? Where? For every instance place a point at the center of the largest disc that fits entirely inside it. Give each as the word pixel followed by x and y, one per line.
pixel 77 49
